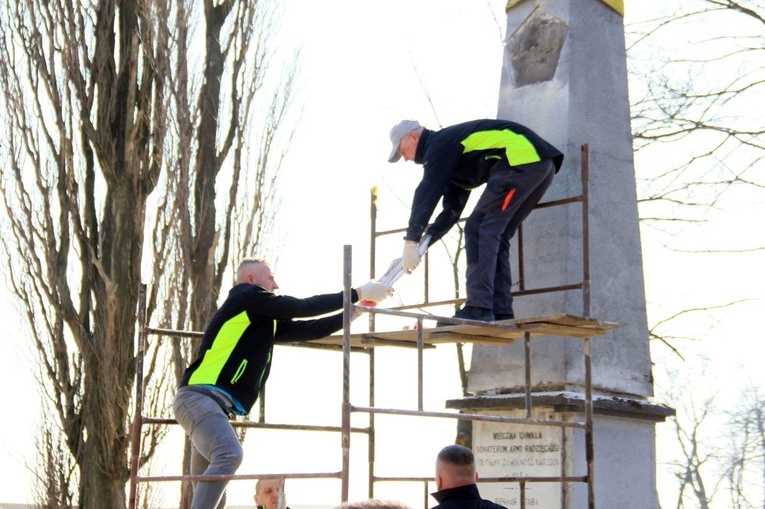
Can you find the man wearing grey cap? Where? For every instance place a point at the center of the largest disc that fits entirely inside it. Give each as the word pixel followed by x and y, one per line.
pixel 516 165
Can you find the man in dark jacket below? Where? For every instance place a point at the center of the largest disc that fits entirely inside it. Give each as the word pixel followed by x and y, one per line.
pixel 455 480
pixel 516 165
pixel 234 361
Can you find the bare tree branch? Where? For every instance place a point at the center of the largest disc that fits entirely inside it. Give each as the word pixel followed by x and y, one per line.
pixel 117 108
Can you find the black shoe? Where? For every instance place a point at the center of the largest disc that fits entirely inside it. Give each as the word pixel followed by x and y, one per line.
pixel 470 313
pixel 504 316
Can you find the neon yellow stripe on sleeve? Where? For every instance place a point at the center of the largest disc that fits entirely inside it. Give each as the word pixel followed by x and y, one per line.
pixel 518 148
pixel 220 351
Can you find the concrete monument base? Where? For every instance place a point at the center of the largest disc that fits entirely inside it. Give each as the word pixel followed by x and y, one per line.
pixel 624 451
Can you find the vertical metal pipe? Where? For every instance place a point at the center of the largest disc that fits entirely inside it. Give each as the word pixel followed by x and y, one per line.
pixel 373 229
pixel 135 446
pixel 521 266
pixel 587 310
pixel 586 229
pixel 372 244
pixel 262 405
pixel 427 278
pixel 420 347
pixel 522 496
pixel 371 444
pixel 527 366
pixel 280 502
pixel 346 418
pixel 589 443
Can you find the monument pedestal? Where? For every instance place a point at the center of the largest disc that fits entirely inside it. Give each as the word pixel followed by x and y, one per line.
pixel 565 76
pixel 624 452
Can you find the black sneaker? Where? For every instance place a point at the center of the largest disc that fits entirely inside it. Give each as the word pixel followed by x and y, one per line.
pixel 470 313
pixel 504 316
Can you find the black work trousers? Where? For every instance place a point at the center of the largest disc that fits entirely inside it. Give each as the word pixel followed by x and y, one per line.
pixel 510 195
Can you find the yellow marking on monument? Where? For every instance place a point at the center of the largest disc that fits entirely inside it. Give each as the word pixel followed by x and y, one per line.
pixel 617 5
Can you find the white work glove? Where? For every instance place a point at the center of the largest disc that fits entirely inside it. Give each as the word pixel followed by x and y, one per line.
pixel 374 291
pixel 410 258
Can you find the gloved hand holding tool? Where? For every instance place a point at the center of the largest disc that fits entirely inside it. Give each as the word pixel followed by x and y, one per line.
pixel 396 269
pixel 374 291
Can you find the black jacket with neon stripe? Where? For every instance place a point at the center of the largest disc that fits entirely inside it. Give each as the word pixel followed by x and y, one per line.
pixel 238 343
pixel 459 158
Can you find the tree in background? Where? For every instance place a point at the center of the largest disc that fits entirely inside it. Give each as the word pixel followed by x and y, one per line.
pixel 721 461
pixel 744 458
pixel 699 131
pixel 694 104
pixel 219 196
pixel 104 103
pixel 691 424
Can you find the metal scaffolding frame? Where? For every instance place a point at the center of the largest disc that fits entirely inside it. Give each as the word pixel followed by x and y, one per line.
pixel 496 333
pixel 458 334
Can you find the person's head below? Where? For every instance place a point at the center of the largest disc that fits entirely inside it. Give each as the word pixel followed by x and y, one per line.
pixel 374 504
pixel 404 137
pixel 455 466
pixel 267 493
pixel 254 271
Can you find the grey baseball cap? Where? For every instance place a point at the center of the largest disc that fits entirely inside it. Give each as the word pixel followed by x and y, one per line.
pixel 397 134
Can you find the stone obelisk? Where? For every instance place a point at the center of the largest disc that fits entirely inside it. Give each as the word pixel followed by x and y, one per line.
pixel 565 76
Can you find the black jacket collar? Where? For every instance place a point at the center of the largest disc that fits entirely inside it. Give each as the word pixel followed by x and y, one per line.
pixel 419 154
pixel 469 491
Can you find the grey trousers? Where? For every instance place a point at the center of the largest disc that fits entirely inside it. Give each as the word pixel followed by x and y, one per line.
pixel 215 448
pixel 510 194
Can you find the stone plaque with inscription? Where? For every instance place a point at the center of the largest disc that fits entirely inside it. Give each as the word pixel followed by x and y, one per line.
pixel 503 450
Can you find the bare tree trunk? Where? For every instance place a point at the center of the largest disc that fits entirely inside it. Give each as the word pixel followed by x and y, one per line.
pixel 86 152
pixel 198 237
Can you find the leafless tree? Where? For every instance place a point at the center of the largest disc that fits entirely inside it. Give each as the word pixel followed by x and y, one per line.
pixel 697 82
pixel 699 85
pixel 744 463
pixel 454 248
pixel 103 102
pixel 720 449
pixel 56 484
pixel 84 142
pixel 698 449
pixel 697 78
pixel 198 237
pixel 665 330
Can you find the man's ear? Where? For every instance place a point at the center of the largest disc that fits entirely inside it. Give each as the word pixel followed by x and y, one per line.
pixel 439 482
